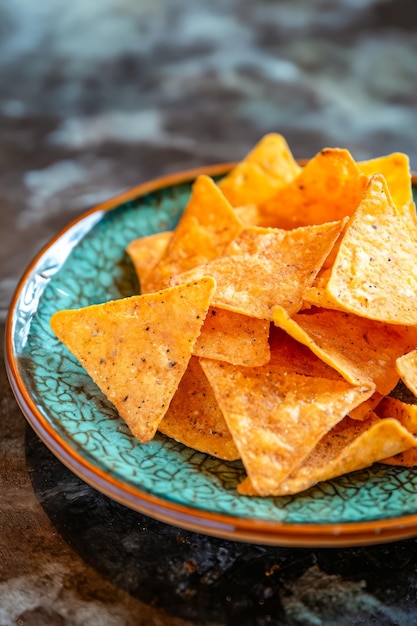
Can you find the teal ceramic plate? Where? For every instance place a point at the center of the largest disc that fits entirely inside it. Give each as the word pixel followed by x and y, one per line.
pixel 87 264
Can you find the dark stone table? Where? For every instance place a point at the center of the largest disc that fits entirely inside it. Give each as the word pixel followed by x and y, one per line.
pixel 98 96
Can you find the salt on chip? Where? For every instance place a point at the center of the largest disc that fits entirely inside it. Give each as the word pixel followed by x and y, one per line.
pixel 195 419
pixel 233 337
pixel 328 188
pixel 137 349
pixel 363 351
pixel 406 414
pixel 205 229
pixel 375 271
pixel 407 370
pixel 348 447
pixel 268 166
pixel 277 417
pixel 263 267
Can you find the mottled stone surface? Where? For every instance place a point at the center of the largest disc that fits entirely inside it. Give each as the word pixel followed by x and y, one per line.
pixel 98 96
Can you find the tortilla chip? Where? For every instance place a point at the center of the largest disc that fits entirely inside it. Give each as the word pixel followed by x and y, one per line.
pixel 137 349
pixel 276 417
pixel 194 417
pixel 145 252
pixel 296 357
pixel 395 168
pixel 407 370
pixel 363 411
pixel 248 214
pixel 267 167
pixel 348 447
pixel 263 267
pixel 374 274
pixel 233 337
pixel 406 414
pixel 317 295
pixel 361 350
pixel 273 155
pixel 327 189
pixel 205 229
pixel 246 184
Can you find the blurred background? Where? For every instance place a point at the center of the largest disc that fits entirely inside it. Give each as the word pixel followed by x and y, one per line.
pixel 100 95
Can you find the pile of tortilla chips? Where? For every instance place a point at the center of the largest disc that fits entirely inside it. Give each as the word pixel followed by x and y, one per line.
pixel 273 322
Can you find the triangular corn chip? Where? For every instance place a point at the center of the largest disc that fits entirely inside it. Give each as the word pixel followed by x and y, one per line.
pixel 298 358
pixel 395 168
pixel 273 155
pixel 375 271
pixel 248 214
pixel 349 446
pixel 363 411
pixel 328 188
pixel 137 349
pixel 247 183
pixel 406 414
pixel 407 370
pixel 361 350
pixel 145 252
pixel 277 417
pixel 205 229
pixel 194 417
pixel 268 166
pixel 263 267
pixel 233 337
pixel 317 295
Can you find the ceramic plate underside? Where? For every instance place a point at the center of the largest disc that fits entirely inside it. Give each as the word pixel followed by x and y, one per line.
pixel 87 264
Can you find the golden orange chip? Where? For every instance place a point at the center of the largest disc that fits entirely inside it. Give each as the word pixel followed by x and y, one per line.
pixel 233 337
pixel 407 370
pixel 247 183
pixel 395 168
pixel 137 349
pixel 205 229
pixel 248 214
pixel 263 267
pixel 327 253
pixel 268 166
pixel 145 252
pixel 408 458
pixel 275 416
pixel 317 294
pixel 328 188
pixel 273 155
pixel 374 274
pixel 298 358
pixel 349 446
pixel 361 350
pixel 194 417
pixel 406 414
pixel 363 411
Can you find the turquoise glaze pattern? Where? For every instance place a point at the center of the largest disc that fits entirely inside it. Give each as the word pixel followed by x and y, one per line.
pixel 87 264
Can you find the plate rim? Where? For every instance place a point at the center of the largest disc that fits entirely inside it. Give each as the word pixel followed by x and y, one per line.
pixel 245 529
